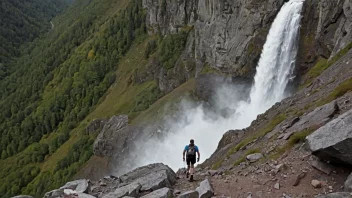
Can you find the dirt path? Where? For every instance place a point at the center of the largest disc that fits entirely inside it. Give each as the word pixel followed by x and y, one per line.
pixel 266 181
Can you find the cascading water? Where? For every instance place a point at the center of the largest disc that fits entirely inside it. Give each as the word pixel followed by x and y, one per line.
pixel 274 71
pixel 275 67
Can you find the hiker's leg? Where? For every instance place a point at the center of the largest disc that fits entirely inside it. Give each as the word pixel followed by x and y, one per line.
pixel 191 169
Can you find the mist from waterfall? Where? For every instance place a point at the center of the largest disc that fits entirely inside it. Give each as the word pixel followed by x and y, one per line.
pixel 274 72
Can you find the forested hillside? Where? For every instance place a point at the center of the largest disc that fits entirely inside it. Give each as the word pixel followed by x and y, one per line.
pixel 57 81
pixel 23 21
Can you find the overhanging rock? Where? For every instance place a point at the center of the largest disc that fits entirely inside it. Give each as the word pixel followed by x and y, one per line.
pixel 333 141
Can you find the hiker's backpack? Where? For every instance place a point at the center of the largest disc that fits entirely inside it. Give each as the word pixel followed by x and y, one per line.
pixel 191 152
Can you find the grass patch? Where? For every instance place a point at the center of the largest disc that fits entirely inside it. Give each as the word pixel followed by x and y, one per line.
pixel 243 158
pixel 217 165
pixel 294 139
pixel 322 65
pixel 209 70
pixel 339 91
pixel 262 132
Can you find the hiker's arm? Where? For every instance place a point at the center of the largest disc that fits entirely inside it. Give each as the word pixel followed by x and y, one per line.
pixel 183 155
pixel 198 155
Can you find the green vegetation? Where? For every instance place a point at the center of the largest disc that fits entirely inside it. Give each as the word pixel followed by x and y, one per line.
pixel 171 48
pixel 294 139
pixel 56 83
pixel 339 91
pixel 322 65
pixel 261 133
pixel 23 21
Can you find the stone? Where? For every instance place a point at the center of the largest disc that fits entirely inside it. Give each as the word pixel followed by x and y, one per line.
pixel 298 178
pixel 95 126
pixel 54 194
pixel 189 194
pixel 254 157
pixel 277 186
pixel 348 183
pixel 22 196
pixel 322 166
pixel 161 193
pixel 335 195
pixel 333 141
pixel 316 184
pixel 80 186
pixel 151 177
pixel 212 172
pixel 317 117
pixel 205 189
pixel 128 190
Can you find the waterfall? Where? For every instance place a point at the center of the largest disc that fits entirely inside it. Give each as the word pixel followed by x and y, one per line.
pixel 276 64
pixel 274 71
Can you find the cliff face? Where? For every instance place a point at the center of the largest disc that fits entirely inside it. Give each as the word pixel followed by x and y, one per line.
pixel 325 30
pixel 229 34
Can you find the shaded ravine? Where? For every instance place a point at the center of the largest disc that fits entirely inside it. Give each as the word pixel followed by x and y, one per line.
pixel 274 72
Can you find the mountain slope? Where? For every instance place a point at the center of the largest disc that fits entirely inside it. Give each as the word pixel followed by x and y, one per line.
pixel 23 21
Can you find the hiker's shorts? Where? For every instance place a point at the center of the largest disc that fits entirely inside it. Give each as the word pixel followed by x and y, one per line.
pixel 191 161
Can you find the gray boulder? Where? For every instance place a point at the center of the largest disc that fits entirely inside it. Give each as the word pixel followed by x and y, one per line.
pixel 22 196
pixel 161 193
pixel 335 195
pixel 54 194
pixel 189 194
pixel 348 184
pixel 129 190
pixel 205 189
pixel 80 186
pixel 110 136
pixel 254 157
pixel 318 117
pixel 95 126
pixel 333 141
pixel 84 195
pixel 151 177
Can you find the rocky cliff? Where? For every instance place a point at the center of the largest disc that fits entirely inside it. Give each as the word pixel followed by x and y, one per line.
pixel 229 34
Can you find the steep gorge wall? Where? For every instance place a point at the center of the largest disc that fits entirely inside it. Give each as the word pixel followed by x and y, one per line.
pixel 228 35
pixel 325 30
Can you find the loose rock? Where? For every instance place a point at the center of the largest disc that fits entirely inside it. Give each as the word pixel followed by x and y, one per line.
pixel 129 190
pixel 80 186
pixel 277 186
pixel 348 184
pixel 316 184
pixel 161 193
pixel 254 157
pixel 189 194
pixel 323 167
pixel 335 195
pixel 205 189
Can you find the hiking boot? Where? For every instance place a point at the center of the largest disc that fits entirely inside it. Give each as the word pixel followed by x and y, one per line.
pixel 187 174
pixel 191 179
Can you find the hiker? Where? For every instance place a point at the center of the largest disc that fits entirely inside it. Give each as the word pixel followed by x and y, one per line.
pixel 191 151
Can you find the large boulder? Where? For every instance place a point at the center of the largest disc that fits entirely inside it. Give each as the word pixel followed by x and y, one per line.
pixel 151 177
pixel 333 141
pixel 161 193
pixel 189 194
pixel 54 194
pixel 80 186
pixel 128 190
pixel 335 195
pixel 314 119
pixel 95 125
pixel 205 189
pixel 348 183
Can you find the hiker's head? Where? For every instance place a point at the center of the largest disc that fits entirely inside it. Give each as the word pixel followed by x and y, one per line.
pixel 191 142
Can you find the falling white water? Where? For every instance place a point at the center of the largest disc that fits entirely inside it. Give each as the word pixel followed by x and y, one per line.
pixel 274 71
